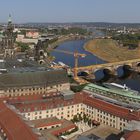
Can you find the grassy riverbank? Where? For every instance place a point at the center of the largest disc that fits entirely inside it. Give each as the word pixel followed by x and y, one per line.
pixel 109 50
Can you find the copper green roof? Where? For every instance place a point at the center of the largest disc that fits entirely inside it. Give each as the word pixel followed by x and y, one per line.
pixel 129 94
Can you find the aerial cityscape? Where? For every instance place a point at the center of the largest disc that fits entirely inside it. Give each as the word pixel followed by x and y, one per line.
pixel 69 70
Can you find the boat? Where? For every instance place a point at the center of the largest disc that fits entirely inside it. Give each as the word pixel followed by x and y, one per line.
pixel 116 86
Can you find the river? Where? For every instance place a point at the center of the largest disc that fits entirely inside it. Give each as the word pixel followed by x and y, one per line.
pixel 90 59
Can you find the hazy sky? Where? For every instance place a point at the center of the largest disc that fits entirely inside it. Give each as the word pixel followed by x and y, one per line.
pixel 70 10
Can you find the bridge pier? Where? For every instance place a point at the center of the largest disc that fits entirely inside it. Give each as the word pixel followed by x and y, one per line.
pixel 136 69
pixel 114 72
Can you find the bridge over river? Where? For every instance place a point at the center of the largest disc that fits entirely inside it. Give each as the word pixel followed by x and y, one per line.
pixel 112 67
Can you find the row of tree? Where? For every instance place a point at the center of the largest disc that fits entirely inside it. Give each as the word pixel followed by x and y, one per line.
pixel 128 40
pixel 63 31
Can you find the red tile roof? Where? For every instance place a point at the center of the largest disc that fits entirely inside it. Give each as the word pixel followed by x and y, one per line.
pixel 111 108
pixel 48 124
pixel 134 135
pixel 35 105
pixel 13 125
pixel 82 97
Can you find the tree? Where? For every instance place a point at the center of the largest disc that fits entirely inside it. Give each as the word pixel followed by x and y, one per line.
pixel 23 46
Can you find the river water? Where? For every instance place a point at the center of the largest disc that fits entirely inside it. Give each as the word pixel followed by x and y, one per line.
pixel 132 81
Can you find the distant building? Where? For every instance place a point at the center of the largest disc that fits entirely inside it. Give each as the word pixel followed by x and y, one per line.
pixel 8 40
pixel 21 38
pixel 32 34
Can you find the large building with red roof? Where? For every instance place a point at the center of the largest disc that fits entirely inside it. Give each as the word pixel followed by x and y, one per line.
pixel 12 127
pixel 132 135
pixel 56 104
pixel 63 105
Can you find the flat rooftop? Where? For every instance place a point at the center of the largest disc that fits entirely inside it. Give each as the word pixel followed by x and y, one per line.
pixel 46 122
pixel 102 132
pixel 49 133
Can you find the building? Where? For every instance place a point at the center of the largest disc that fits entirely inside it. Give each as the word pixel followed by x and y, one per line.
pixel 30 83
pixel 21 38
pixel 12 127
pixel 47 107
pixel 32 34
pixel 55 104
pixel 8 40
pixel 52 127
pixel 132 135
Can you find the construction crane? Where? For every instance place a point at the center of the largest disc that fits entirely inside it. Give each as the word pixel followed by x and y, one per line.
pixel 76 56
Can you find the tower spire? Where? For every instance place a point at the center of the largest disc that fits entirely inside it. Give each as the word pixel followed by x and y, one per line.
pixel 10 19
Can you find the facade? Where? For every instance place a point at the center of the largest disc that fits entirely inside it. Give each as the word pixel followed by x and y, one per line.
pixel 53 105
pixel 31 83
pixel 21 38
pixel 32 34
pixel 82 103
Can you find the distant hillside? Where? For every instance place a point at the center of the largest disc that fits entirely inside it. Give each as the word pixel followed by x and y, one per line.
pixel 90 24
pixel 94 24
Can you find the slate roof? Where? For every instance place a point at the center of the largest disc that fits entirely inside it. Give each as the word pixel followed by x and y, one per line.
pixel 38 78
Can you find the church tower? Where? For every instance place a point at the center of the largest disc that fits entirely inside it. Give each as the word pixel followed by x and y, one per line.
pixel 39 52
pixel 9 39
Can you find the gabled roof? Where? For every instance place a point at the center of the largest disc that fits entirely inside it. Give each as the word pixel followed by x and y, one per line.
pixel 13 125
pixel 133 135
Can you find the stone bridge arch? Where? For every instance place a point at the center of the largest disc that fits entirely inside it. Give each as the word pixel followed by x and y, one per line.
pixel 127 66
pixel 137 64
pixel 83 73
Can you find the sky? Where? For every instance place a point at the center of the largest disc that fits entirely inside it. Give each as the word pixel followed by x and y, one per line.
pixel 23 11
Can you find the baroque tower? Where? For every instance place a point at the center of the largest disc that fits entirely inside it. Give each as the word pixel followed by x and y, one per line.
pixel 8 41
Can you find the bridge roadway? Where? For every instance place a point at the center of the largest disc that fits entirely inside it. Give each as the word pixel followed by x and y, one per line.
pixel 110 66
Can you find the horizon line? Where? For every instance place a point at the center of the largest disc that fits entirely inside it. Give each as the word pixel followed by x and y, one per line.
pixel 71 22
